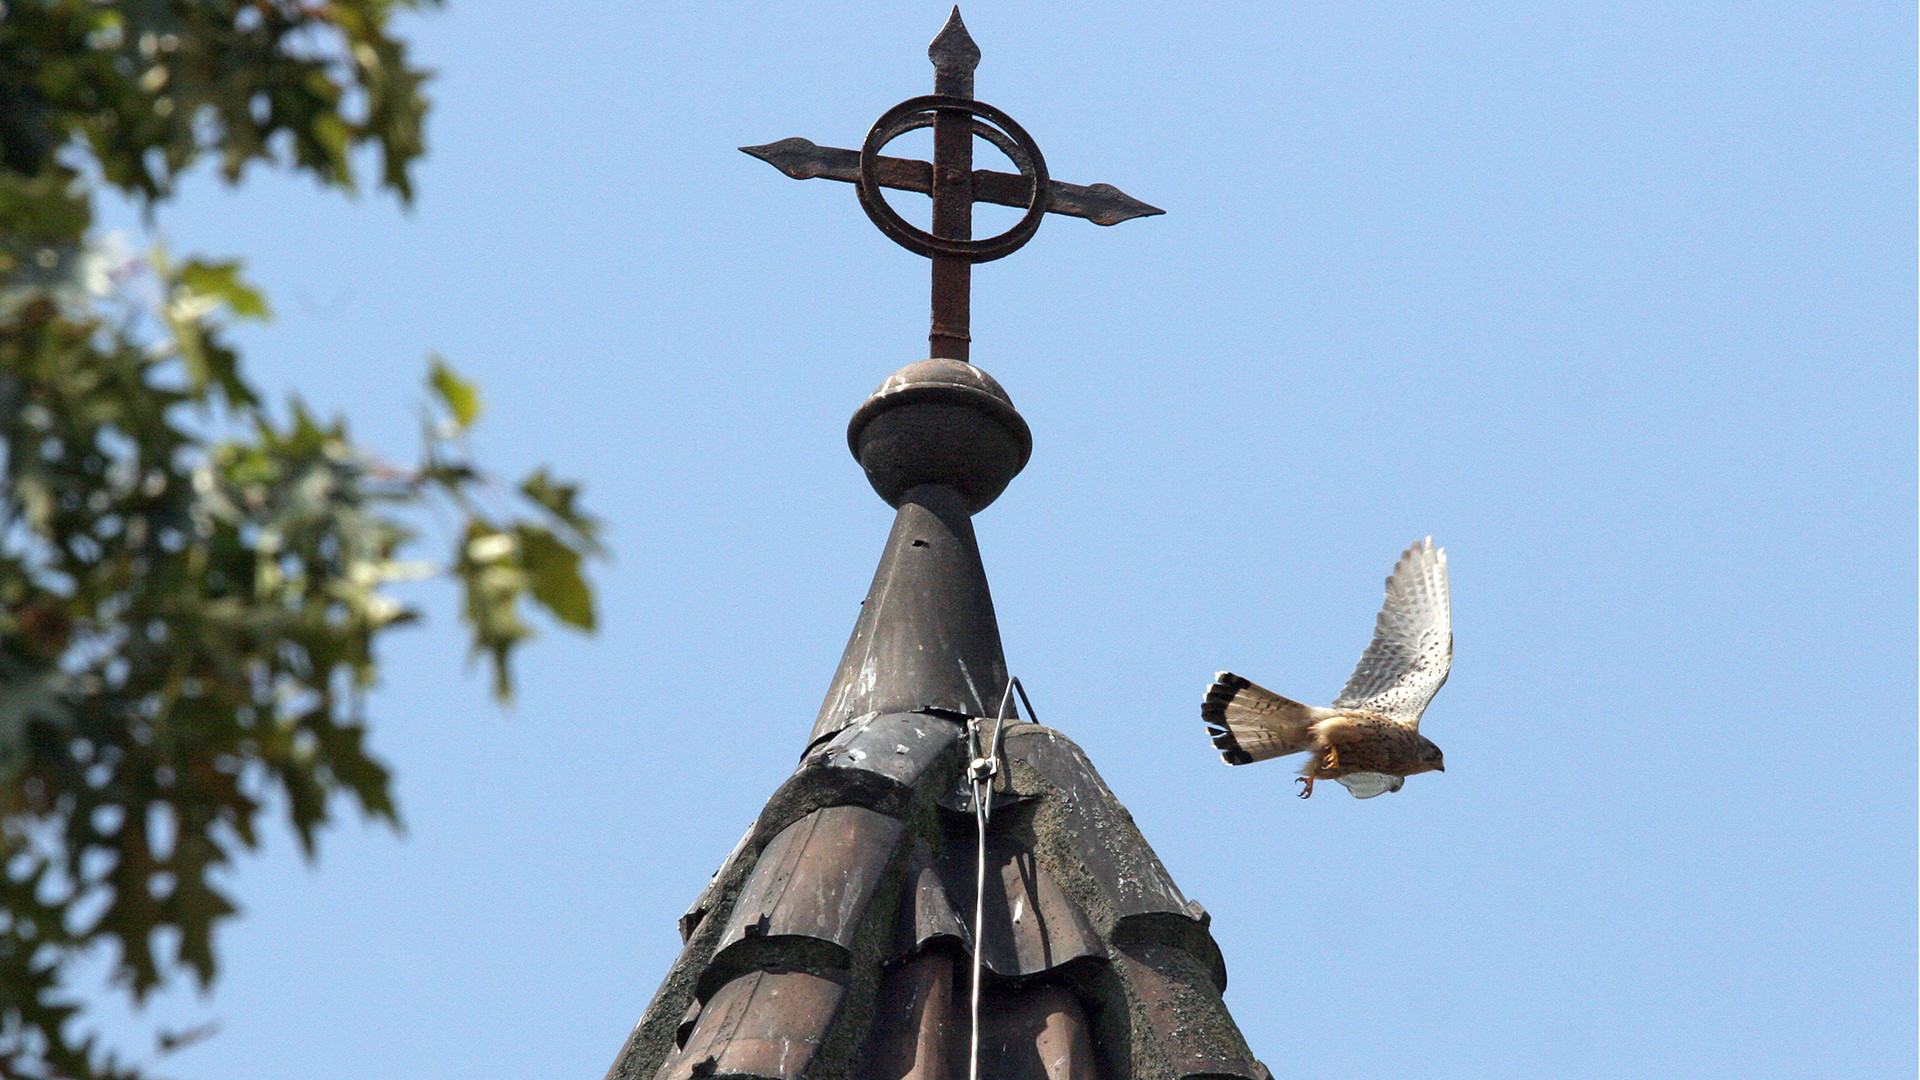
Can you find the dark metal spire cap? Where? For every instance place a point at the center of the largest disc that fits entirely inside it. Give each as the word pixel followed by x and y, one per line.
pixel 940 422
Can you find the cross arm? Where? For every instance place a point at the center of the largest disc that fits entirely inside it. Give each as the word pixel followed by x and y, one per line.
pixel 1102 204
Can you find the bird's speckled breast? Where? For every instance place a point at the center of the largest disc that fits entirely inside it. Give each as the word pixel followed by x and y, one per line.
pixel 1369 742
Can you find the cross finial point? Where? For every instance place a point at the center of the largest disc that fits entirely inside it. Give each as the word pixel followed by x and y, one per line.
pixel 953 48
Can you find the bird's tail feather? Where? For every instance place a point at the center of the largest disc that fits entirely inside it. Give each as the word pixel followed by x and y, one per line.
pixel 1250 723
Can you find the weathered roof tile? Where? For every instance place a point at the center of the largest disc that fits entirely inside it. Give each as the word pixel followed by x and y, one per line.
pixel 898 747
pixel 766 1024
pixel 1094 827
pixel 813 881
pixel 1183 1028
pixel 1029 925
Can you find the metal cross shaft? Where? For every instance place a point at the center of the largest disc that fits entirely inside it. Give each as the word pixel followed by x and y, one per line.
pixel 954 57
pixel 956 117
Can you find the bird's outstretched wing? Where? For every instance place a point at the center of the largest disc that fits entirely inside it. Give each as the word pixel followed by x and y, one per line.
pixel 1412 640
pixel 1251 723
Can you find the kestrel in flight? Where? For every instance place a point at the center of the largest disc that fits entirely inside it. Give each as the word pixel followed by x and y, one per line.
pixel 1370 739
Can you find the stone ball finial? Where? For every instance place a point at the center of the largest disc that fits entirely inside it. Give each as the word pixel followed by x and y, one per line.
pixel 940 422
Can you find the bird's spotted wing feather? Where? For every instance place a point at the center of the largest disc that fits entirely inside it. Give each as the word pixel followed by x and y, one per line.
pixel 1412 640
pixel 1251 723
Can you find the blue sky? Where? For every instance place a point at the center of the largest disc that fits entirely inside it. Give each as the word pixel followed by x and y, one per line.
pixel 1616 301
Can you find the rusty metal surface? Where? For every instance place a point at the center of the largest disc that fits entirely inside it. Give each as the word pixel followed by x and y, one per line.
pixel 697 911
pixel 765 1024
pixel 940 421
pixel 954 56
pixel 1189 933
pixel 956 117
pixel 919 1027
pixel 1100 833
pixel 926 639
pixel 687 1021
pixel 927 915
pixel 1185 1020
pixel 815 879
pixel 898 747
pixel 1102 204
pixel 952 170
pixel 1037 1033
pixel 1029 925
pixel 1153 975
pixel 1027 1032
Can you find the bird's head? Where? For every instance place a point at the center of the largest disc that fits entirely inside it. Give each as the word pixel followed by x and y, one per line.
pixel 1431 759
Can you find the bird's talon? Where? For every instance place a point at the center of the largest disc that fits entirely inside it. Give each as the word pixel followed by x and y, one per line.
pixel 1306 788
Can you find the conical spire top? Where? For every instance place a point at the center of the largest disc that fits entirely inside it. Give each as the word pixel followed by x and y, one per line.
pixel 953 49
pixel 939 441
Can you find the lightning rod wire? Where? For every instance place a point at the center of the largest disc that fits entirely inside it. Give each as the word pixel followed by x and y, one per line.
pixel 981 770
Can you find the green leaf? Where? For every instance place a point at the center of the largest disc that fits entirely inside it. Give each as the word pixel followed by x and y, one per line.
pixel 461 397
pixel 554 578
pixel 197 289
pixel 221 281
pixel 559 500
pixel 490 567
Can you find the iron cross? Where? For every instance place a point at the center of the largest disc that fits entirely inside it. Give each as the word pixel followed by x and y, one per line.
pixel 953 182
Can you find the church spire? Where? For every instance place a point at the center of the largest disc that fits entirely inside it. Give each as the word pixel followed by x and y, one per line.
pixel 875 922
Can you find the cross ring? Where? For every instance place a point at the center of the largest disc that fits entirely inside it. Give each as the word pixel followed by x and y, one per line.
pixel 1019 147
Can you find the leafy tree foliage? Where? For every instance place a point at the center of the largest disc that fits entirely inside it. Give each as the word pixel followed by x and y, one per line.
pixel 192 587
